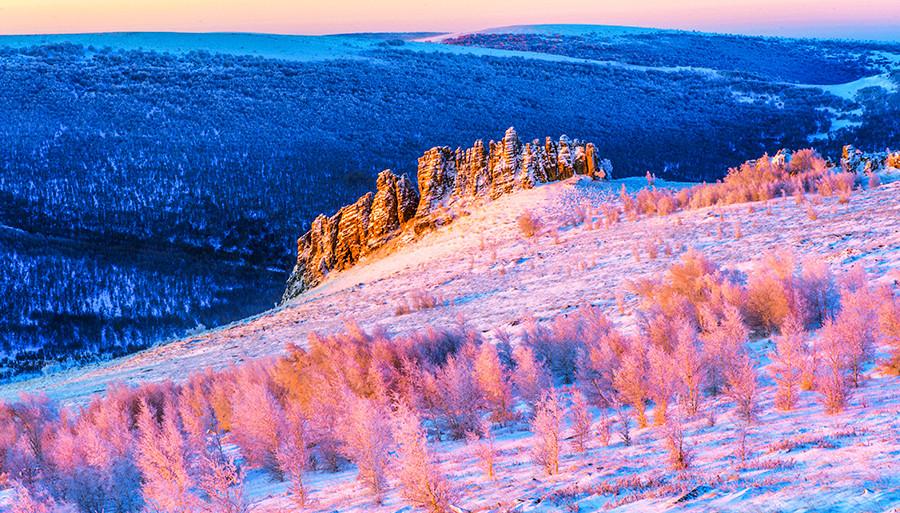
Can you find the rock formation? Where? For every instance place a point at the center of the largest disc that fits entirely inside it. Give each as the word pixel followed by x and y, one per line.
pixel 446 178
pixel 856 161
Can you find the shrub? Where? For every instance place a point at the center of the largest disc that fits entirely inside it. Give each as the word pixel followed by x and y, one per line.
pixel 529 225
pixel 558 344
pixel 419 299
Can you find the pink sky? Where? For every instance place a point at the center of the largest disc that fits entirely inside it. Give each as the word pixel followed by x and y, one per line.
pixel 839 18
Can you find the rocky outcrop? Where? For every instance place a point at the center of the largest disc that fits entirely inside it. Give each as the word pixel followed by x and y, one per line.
pixel 856 161
pixel 337 242
pixel 446 178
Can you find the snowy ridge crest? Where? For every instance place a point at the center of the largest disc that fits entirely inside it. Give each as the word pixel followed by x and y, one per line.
pixel 446 178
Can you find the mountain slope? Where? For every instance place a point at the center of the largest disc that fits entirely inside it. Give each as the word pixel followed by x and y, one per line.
pixel 500 276
pixel 483 270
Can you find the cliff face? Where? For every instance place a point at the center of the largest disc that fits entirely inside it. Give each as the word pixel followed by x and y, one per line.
pixel 446 177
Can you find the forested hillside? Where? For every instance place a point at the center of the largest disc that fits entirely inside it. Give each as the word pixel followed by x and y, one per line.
pixel 218 156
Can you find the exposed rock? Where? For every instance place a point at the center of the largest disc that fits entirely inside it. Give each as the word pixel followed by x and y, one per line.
pixel 437 178
pixel 856 161
pixel 446 178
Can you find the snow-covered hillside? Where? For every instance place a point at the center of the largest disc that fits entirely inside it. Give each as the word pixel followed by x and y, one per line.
pixel 483 271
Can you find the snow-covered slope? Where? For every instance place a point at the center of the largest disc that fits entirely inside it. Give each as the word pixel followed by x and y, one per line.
pixel 488 274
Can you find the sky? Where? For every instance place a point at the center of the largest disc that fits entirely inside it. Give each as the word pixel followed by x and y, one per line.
pixel 866 19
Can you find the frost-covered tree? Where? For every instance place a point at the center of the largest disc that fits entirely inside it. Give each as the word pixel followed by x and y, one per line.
pixel 787 363
pixel 889 326
pixel 162 459
pixel 292 453
pixel 630 381
pixel 493 381
pixel 690 368
pixel 482 444
pixel 833 380
pixel 459 401
pixel 365 434
pixel 546 426
pixel 256 415
pixel 679 452
pixel 581 421
pixel 742 386
pixel 857 325
pixel 723 341
pixel 421 482
pixel 221 480
pixel 28 501
pixel 529 376
pixel 662 378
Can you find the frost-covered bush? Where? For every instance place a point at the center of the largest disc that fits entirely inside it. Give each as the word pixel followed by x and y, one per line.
pixel 558 344
pixel 529 225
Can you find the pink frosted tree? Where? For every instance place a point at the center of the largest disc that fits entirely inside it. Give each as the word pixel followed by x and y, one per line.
pixel 420 481
pixel 889 326
pixel 221 481
pixel 856 324
pixel 679 453
pixel 546 427
pixel 832 381
pixel 292 453
pixel 529 376
pixel 690 368
pixel 630 381
pixel 28 501
pixel 460 401
pixel 493 381
pixel 742 386
pixel 365 434
pixel 255 419
pixel 162 460
pixel 723 341
pixel 581 421
pixel 787 363
pixel 482 444
pixel 662 378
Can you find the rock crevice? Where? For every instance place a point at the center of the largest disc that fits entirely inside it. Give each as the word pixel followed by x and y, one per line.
pixel 446 178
